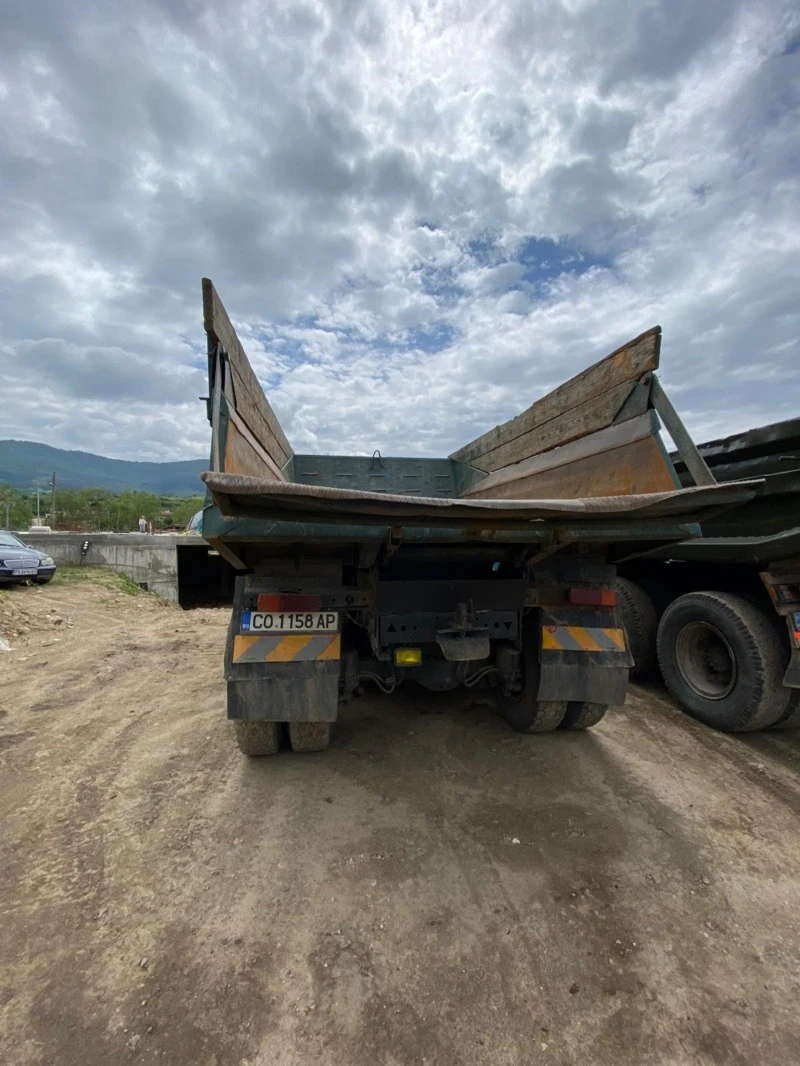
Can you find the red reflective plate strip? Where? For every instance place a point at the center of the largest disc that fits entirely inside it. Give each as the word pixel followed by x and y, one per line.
pixel 288 601
pixel 593 597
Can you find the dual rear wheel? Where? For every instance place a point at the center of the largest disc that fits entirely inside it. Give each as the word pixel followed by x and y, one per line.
pixel 526 714
pixel 264 738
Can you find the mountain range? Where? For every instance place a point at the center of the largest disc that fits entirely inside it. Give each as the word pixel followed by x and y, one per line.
pixel 24 464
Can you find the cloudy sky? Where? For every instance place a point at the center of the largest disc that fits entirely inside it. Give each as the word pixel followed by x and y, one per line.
pixel 421 214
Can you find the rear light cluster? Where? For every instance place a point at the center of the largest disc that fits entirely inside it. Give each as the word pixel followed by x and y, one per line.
pixel 288 601
pixel 592 597
pixel 785 595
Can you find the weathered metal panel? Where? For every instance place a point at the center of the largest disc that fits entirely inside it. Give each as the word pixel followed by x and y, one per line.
pixel 624 459
pixel 581 395
pixel 588 417
pixel 775 439
pixel 421 627
pixel 241 457
pixel 234 536
pixel 385 474
pixel 256 497
pixel 767 450
pixel 250 401
pixel 437 595
pixel 754 550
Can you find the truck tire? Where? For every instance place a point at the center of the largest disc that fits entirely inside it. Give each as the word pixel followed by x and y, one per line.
pixel 641 625
pixel 535 716
pixel 723 660
pixel 583 715
pixel 309 736
pixel 522 710
pixel 258 738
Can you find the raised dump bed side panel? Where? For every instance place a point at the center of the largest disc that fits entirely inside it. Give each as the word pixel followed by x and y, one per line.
pixel 588 402
pixel 624 459
pixel 595 435
pixel 246 435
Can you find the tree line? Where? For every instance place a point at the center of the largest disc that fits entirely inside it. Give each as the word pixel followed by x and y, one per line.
pixel 96 510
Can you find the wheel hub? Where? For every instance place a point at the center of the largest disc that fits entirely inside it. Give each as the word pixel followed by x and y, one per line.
pixel 705 660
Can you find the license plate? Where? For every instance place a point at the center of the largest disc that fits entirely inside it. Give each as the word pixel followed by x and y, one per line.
pixel 23 573
pixel 290 622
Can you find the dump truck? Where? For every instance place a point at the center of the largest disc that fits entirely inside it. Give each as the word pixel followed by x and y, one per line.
pixel 719 616
pixel 492 567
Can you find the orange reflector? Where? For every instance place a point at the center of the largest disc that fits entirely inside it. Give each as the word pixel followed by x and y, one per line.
pixel 593 597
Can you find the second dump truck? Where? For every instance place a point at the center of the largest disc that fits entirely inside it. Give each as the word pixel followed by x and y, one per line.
pixel 494 566
pixel 720 614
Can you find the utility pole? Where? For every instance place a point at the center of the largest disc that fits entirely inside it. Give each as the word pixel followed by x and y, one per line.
pixel 53 503
pixel 8 509
pixel 38 509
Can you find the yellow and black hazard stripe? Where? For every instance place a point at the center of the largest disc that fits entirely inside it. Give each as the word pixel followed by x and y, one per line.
pixel 582 638
pixel 291 648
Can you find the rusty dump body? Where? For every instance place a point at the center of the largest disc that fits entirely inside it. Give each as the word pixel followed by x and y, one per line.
pixel 588 453
pixel 460 563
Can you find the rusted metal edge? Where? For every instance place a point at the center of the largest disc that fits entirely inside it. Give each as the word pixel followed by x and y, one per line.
pixel 233 492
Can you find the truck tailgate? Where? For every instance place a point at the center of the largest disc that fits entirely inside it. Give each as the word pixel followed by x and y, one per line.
pixel 242 496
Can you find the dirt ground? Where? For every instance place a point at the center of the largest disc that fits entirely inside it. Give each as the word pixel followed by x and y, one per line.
pixel 433 889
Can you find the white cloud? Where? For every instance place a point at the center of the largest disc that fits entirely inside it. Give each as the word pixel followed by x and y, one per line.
pixel 421 216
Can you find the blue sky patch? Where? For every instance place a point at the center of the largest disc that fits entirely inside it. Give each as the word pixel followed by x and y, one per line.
pixel 484 250
pixel 546 259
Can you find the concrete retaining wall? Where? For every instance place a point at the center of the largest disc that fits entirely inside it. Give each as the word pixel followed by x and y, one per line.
pixel 150 560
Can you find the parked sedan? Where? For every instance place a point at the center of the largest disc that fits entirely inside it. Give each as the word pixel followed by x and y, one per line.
pixel 19 562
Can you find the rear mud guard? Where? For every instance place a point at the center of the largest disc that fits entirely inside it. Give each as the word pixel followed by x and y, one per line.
pixel 302 687
pixel 584 683
pixel 583 656
pixel 274 697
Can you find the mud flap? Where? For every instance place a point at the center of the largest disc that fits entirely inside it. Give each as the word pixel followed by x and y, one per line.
pixel 583 656
pixel 590 684
pixel 303 686
pixel 286 692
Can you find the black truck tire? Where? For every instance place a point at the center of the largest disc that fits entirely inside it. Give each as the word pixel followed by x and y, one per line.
pixel 641 625
pixel 309 736
pixel 258 738
pixel 723 660
pixel 521 709
pixel 583 715
pixel 535 716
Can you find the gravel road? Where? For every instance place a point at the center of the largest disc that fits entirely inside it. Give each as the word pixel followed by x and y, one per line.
pixel 433 889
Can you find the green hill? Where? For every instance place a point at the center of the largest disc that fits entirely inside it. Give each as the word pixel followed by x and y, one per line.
pixel 27 465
